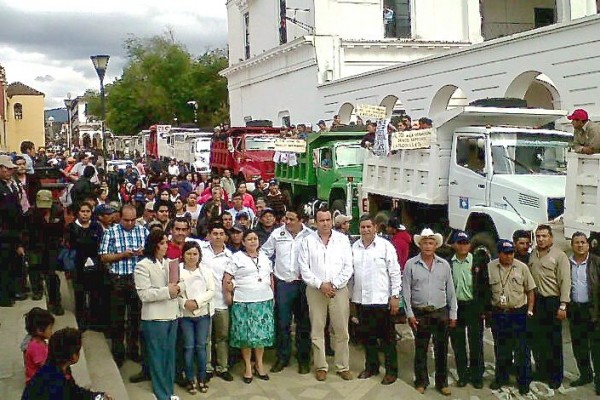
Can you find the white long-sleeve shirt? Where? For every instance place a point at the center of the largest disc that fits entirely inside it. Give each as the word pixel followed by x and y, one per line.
pixel 285 248
pixel 376 272
pixel 218 263
pixel 331 263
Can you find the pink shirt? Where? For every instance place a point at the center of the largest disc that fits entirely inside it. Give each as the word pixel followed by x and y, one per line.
pixel 35 357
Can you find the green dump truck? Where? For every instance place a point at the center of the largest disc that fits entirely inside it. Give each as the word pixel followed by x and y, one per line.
pixel 329 170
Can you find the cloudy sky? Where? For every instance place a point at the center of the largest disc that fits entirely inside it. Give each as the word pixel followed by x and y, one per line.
pixel 47 44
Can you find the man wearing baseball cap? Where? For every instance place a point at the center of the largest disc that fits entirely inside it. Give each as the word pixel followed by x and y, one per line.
pixel 10 231
pixel 586 139
pixel 513 298
pixel 469 275
pixel 342 223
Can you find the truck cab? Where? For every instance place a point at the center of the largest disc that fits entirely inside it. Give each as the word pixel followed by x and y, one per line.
pixel 247 152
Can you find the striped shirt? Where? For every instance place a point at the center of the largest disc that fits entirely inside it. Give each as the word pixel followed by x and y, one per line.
pixel 117 240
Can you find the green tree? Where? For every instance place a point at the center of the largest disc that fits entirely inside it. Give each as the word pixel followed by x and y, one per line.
pixel 159 79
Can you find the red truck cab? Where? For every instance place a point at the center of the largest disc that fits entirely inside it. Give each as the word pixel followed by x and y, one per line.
pixel 246 151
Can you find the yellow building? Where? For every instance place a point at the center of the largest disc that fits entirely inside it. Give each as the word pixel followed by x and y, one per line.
pixel 24 116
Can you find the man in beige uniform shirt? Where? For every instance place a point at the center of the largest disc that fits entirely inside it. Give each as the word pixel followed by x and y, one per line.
pixel 512 299
pixel 551 271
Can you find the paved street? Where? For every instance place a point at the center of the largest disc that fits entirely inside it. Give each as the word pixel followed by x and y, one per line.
pixel 285 385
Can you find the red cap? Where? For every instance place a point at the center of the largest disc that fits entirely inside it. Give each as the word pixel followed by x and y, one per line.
pixel 579 114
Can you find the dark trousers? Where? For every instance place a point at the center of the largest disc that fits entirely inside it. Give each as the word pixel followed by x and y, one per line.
pixel 434 323
pixel 546 343
pixel 160 337
pixel 290 301
pixel 8 283
pixel 45 273
pixel 582 335
pixel 469 328
pixel 125 308
pixel 510 339
pixel 376 324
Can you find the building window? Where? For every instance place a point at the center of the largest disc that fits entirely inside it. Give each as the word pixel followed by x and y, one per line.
pixel 18 108
pixel 282 21
pixel 544 17
pixel 396 18
pixel 247 35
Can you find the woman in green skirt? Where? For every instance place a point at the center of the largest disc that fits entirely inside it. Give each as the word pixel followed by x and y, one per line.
pixel 252 322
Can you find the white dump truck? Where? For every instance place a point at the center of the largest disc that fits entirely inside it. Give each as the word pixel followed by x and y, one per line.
pixel 486 170
pixel 582 203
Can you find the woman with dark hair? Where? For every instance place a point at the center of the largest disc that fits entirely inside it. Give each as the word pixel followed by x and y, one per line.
pixel 247 199
pixel 83 187
pixel 84 237
pixel 160 308
pixel 197 308
pixel 252 322
pixel 54 380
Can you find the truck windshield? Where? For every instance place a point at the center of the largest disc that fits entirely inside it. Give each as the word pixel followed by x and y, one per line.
pixel 260 142
pixel 349 155
pixel 203 145
pixel 525 154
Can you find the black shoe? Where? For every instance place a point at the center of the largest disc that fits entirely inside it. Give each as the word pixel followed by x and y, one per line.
pixel 57 309
pixel 37 296
pixel 496 385
pixel 554 385
pixel 209 376
pixel 21 296
pixel 523 390
pixel 477 384
pixel 247 380
pixel 139 377
pixel 7 303
pixel 461 383
pixel 278 366
pixel 582 381
pixel 303 369
pixel 226 376
pixel 264 377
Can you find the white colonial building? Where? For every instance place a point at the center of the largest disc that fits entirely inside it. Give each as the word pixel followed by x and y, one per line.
pixel 298 61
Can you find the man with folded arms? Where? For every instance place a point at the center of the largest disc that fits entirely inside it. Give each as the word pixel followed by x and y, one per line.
pixel 376 291
pixel 325 261
pixel 431 308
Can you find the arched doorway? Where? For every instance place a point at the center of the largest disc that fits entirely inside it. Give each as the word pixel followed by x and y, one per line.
pixel 447 98
pixel 345 113
pixel 536 88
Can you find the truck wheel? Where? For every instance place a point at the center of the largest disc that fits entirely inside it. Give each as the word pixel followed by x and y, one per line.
pixel 338 207
pixel 484 241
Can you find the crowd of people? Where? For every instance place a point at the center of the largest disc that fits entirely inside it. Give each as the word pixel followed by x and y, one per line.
pixel 190 274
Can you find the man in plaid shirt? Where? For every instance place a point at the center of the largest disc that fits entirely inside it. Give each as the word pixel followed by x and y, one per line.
pixel 121 248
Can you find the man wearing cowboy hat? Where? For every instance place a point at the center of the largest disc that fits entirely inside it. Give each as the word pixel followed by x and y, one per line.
pixel 431 308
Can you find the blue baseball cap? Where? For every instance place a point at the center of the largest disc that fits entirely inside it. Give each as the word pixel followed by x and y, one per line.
pixel 505 246
pixel 460 236
pixel 139 197
pixel 104 209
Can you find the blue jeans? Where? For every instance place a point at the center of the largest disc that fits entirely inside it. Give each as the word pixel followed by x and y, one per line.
pixel 195 339
pixel 290 301
pixel 160 337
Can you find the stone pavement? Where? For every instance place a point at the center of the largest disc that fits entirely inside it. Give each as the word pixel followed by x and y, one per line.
pixel 288 384
pixel 97 368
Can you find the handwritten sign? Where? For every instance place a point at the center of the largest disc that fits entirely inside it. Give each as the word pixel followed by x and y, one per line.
pixel 367 110
pixel 407 140
pixel 381 147
pixel 290 145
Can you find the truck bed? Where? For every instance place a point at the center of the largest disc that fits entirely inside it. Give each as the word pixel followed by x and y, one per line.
pixel 582 212
pixel 419 175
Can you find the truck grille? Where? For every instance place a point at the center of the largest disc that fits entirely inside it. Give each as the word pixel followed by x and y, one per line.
pixel 527 200
pixel 556 207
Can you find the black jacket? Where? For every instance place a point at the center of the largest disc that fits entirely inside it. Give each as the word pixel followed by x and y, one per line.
pixel 482 294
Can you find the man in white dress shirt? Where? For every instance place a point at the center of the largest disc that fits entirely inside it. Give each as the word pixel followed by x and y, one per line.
pixel 290 291
pixel 326 266
pixel 376 291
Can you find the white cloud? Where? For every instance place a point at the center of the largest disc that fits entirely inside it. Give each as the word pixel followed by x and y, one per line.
pixel 41 39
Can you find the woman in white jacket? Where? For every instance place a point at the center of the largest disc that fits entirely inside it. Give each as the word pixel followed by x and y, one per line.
pixel 160 310
pixel 197 309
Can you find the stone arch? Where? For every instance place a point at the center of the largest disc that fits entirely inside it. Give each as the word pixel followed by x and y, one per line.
pixel 535 87
pixel 446 98
pixel 389 102
pixel 346 112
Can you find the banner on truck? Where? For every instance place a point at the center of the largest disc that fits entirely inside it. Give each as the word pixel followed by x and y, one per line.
pixel 367 110
pixel 163 129
pixel 290 145
pixel 381 147
pixel 408 140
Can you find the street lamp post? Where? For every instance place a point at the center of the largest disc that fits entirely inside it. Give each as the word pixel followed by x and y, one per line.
pixel 100 64
pixel 194 104
pixel 69 105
